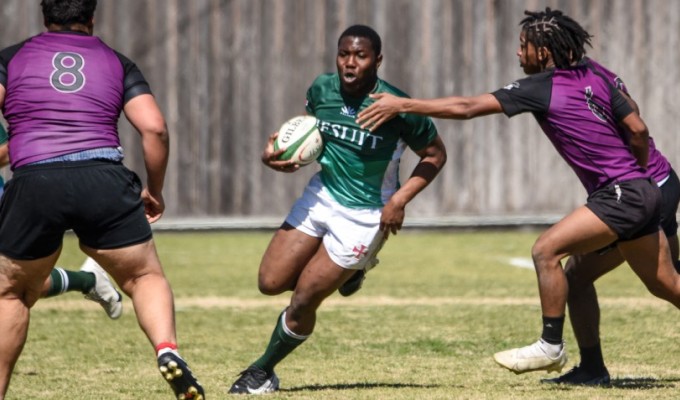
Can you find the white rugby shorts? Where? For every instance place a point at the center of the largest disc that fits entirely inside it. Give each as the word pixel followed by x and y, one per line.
pixel 351 236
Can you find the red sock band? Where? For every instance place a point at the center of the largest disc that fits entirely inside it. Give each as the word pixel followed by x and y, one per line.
pixel 166 345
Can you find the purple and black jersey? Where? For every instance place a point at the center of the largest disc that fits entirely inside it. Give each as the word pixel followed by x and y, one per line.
pixel 657 166
pixel 579 111
pixel 64 94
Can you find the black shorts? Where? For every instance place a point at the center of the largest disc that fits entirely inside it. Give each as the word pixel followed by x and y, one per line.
pixel 99 200
pixel 632 208
pixel 670 197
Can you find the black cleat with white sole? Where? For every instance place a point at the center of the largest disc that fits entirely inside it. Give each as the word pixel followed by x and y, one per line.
pixel 353 284
pixel 255 380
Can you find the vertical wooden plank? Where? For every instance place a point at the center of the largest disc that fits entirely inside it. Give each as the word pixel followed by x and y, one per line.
pixel 228 72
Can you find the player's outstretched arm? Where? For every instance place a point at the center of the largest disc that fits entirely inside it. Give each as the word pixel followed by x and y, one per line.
pixel 144 114
pixel 432 159
pixel 387 106
pixel 270 157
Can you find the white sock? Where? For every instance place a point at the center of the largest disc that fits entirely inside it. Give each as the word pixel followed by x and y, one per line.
pixel 552 350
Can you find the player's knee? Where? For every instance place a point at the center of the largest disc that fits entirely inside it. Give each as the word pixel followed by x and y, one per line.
pixel 543 256
pixel 271 290
pixel 270 286
pixel 300 306
pixel 307 301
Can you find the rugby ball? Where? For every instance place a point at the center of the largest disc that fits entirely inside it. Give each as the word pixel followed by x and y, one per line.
pixel 301 139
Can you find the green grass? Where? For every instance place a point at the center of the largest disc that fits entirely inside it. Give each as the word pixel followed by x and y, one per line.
pixel 424 326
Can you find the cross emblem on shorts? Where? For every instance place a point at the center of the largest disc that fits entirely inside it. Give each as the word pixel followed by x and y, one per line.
pixel 359 252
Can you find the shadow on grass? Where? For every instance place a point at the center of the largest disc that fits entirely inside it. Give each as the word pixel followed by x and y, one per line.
pixel 638 383
pixel 643 383
pixel 351 386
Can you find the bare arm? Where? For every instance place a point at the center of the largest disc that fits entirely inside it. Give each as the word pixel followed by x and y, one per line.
pixel 4 155
pixel 387 106
pixel 432 159
pixel 144 114
pixel 639 137
pixel 639 142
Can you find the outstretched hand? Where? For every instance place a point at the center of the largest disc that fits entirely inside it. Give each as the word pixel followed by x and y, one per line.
pixel 386 107
pixel 270 157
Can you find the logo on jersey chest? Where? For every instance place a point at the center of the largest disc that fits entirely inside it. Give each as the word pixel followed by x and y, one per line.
pixel 597 110
pixel 355 136
pixel 348 111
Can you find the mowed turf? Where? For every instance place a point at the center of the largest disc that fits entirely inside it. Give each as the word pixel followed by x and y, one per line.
pixel 424 326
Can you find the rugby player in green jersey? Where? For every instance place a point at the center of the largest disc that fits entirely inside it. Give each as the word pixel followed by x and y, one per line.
pixel 348 209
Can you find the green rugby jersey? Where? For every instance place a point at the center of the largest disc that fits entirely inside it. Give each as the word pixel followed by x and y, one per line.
pixel 361 168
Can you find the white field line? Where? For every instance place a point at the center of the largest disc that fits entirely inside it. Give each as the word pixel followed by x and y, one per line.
pixel 215 302
pixel 521 262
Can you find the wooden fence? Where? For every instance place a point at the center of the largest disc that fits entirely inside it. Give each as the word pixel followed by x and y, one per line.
pixel 228 72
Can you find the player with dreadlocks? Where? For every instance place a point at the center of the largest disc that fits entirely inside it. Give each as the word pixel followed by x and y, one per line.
pixel 563 36
pixel 594 125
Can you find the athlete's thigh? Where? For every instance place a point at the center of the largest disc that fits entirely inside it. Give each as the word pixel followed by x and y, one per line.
pixel 649 257
pixel 23 279
pixel 578 233
pixel 128 262
pixel 674 246
pixel 289 251
pixel 320 278
pixel 583 269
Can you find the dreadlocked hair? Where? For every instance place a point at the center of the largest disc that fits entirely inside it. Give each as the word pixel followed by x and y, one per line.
pixel 563 36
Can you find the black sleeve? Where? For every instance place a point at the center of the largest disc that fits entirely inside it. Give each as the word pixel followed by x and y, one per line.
pixel 531 94
pixel 5 56
pixel 620 106
pixel 134 83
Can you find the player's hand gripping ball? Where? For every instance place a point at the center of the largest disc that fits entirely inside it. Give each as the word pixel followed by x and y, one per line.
pixel 301 139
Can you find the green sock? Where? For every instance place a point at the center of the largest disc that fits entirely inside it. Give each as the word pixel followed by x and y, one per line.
pixel 67 281
pixel 282 343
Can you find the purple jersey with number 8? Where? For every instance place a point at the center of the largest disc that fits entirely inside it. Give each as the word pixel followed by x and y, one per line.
pixel 64 94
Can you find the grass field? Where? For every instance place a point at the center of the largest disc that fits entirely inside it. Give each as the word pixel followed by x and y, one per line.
pixel 424 326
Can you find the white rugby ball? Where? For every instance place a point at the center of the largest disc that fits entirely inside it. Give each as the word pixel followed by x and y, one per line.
pixel 301 139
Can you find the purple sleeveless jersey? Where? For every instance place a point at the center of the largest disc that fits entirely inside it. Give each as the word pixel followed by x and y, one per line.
pixel 64 94
pixel 579 111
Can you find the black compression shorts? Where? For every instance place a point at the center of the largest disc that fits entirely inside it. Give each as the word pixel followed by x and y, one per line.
pixel 99 200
